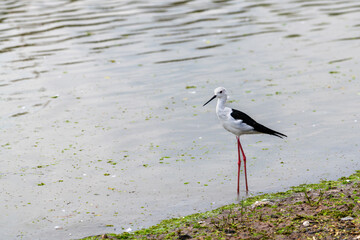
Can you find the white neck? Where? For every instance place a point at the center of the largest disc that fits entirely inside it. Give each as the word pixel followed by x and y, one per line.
pixel 221 103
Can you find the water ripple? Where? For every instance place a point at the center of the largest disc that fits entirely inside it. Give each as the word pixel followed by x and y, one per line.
pixel 182 59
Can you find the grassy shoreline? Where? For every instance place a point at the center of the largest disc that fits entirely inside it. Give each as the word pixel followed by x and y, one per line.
pixel 326 210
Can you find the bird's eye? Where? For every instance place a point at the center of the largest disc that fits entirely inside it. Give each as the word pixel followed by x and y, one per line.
pixel 220 91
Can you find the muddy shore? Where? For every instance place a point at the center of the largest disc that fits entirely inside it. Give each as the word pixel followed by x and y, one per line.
pixel 326 210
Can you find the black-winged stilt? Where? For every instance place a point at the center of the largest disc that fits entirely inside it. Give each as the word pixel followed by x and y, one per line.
pixel 238 123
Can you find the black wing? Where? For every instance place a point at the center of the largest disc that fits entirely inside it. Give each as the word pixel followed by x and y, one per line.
pixel 238 115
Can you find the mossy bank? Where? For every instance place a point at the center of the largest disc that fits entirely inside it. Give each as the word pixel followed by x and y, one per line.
pixel 327 210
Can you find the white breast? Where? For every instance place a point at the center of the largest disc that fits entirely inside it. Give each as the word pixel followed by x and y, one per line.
pixel 237 127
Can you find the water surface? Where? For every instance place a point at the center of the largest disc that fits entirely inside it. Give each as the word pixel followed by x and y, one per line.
pixel 102 124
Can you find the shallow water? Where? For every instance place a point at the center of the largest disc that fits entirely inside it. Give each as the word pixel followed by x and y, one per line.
pixel 102 124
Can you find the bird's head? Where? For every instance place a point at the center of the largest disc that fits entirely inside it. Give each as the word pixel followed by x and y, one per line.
pixel 219 92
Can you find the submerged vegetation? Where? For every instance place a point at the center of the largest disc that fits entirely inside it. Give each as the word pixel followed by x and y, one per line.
pixel 327 210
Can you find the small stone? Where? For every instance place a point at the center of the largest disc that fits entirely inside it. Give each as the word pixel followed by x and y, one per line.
pixel 306 223
pixel 262 203
pixel 348 218
pixel 184 237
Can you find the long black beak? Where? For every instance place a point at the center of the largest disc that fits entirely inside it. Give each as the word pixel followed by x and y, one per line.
pixel 210 100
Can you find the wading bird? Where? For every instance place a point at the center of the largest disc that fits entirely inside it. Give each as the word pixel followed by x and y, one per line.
pixel 238 123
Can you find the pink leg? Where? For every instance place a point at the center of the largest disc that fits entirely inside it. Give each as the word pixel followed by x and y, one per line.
pixel 239 164
pixel 244 158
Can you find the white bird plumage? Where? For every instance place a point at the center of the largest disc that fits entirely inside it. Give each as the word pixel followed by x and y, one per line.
pixel 235 126
pixel 238 123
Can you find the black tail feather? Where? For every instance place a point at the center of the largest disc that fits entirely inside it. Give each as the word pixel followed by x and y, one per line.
pixel 261 128
pixel 238 115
